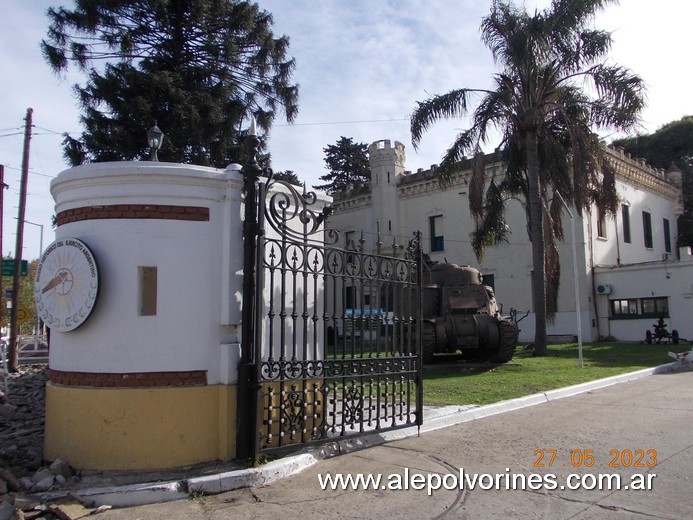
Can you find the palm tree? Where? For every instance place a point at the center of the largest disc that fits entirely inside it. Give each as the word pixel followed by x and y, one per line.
pixel 547 119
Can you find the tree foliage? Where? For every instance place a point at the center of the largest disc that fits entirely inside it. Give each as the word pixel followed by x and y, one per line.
pixel 685 221
pixel 546 117
pixel 288 176
pixel 671 144
pixel 347 165
pixel 198 68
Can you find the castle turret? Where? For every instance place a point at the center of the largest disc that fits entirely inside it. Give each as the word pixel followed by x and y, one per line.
pixel 387 166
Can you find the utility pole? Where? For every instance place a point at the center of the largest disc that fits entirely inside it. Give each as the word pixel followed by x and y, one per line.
pixel 12 347
pixel 2 212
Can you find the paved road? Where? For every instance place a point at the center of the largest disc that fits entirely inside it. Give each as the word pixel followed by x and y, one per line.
pixel 654 413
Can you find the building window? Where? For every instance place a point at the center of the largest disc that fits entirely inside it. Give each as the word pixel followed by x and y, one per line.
pixel 601 224
pixel 655 307
pixel 625 217
pixel 667 236
pixel 148 290
pixel 624 308
pixel 640 308
pixel 490 280
pixel 647 228
pixel 436 225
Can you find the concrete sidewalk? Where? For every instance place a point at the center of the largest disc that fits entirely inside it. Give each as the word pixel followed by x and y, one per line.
pixel 647 413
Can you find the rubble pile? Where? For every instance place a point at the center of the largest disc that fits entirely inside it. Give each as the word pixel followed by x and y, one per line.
pixel 21 421
pixel 23 475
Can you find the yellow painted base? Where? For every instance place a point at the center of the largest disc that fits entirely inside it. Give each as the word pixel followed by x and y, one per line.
pixel 288 408
pixel 152 428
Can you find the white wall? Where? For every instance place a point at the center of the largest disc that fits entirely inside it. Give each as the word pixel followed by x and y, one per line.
pixel 197 306
pixel 612 249
pixel 672 279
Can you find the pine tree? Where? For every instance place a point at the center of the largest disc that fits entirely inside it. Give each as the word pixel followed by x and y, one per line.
pixel 198 68
pixel 348 166
pixel 288 176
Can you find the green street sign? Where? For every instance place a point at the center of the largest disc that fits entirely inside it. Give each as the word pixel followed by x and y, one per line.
pixel 8 267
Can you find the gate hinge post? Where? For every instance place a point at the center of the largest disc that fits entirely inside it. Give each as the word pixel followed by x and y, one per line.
pixel 246 410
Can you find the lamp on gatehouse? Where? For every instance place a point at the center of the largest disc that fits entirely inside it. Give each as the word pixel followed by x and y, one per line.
pixel 155 137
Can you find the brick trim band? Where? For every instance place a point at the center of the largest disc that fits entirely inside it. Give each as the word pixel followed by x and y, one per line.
pixel 133 211
pixel 128 380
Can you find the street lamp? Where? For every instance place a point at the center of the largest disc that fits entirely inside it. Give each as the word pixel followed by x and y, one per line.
pixel 155 137
pixel 575 277
pixel 38 320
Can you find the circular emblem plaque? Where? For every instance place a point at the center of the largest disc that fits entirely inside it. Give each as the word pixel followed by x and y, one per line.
pixel 67 284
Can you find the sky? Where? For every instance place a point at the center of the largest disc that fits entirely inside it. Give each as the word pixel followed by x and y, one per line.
pixel 362 65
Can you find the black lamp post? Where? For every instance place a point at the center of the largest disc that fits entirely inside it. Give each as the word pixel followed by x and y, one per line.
pixel 154 137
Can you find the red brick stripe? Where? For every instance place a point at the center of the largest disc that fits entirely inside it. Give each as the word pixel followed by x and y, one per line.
pixel 133 211
pixel 128 380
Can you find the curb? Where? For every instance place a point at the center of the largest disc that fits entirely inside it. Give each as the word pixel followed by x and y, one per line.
pixel 150 493
pixel 133 494
pixel 268 473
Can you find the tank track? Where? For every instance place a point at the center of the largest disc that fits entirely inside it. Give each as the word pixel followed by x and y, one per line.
pixel 508 341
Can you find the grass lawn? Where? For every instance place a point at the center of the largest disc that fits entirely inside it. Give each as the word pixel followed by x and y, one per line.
pixel 451 382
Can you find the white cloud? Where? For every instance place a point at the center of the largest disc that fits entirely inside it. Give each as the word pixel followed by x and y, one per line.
pixel 362 60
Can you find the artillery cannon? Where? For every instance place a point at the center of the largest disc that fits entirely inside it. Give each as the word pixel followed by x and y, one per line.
pixel 660 333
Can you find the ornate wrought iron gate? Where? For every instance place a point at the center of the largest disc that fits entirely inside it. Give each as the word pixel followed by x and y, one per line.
pixel 336 328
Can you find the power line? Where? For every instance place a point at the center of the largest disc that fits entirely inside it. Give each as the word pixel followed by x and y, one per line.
pixel 49 130
pixel 343 122
pixel 287 125
pixel 46 131
pixel 33 172
pixel 32 194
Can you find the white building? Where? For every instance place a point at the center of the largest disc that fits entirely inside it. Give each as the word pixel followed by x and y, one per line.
pixel 630 271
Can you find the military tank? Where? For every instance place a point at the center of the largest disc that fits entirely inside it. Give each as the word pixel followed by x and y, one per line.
pixel 461 313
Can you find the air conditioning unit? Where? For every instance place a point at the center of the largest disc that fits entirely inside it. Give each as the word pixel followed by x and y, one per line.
pixel 604 288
